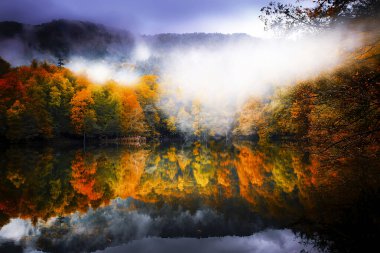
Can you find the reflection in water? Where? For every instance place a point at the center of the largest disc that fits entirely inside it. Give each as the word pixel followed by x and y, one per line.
pixel 66 200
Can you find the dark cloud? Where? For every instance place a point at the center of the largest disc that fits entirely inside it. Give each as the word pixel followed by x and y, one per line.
pixel 146 16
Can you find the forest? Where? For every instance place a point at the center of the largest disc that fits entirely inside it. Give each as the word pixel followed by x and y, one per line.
pixel 339 107
pixel 45 101
pixel 336 107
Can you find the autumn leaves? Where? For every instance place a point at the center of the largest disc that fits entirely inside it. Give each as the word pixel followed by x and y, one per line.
pixel 43 101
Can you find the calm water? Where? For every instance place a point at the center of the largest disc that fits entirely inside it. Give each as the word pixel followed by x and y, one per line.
pixel 193 197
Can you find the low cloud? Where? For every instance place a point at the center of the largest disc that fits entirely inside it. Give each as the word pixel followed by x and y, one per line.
pixel 101 71
pixel 221 77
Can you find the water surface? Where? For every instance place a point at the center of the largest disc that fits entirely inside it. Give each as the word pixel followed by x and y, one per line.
pixel 188 197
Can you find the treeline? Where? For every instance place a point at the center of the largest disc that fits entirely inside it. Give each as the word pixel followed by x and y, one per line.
pixel 45 101
pixel 340 108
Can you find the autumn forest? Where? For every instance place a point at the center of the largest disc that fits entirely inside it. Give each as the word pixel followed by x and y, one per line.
pixel 185 128
pixel 337 108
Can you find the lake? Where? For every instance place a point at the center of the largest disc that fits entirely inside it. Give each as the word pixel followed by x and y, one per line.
pixel 187 197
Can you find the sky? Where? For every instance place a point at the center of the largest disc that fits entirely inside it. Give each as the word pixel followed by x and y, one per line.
pixel 145 16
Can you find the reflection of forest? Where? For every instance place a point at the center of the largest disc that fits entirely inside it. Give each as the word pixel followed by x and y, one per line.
pixel 280 183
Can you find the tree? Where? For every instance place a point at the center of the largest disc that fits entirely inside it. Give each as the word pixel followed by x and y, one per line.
pixel 83 116
pixel 29 88
pixel 39 121
pixel 14 117
pixel 316 15
pixel 147 92
pixel 5 67
pixel 106 107
pixel 249 118
pixel 61 91
pixel 131 113
pixel 11 90
pixel 60 62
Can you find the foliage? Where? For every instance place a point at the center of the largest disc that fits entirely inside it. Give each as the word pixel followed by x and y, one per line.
pixel 44 101
pixel 4 66
pixel 316 15
pixel 82 114
pixel 339 108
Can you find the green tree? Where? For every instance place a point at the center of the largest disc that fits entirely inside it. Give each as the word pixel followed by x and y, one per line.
pixel 106 107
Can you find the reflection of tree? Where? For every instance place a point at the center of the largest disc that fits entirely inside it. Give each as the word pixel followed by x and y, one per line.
pixel 202 164
pixel 128 173
pixel 167 173
pixel 83 176
pixel 281 184
pixel 340 202
pixel 283 173
pixel 30 186
pixel 225 168
pixel 250 169
pixel 163 175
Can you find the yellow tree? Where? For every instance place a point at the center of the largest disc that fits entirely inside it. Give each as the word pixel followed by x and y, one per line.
pixel 250 118
pixel 132 115
pixel 147 91
pixel 197 118
pixel 83 115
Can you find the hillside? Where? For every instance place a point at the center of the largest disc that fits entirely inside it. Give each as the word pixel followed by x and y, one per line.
pixel 20 43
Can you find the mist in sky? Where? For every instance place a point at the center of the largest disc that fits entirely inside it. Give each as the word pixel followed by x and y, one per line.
pixel 144 16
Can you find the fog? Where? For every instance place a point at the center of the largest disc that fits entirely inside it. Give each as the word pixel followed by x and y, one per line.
pixel 208 75
pixel 217 78
pixel 223 77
